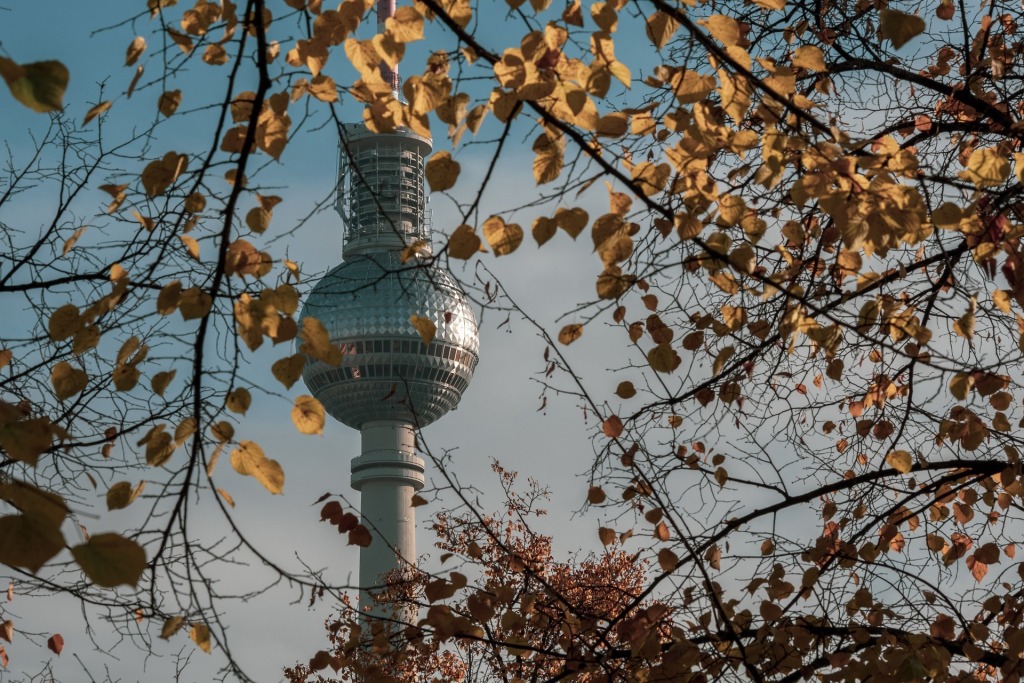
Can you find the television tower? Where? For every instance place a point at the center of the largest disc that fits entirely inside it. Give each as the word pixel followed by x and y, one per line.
pixel 389 383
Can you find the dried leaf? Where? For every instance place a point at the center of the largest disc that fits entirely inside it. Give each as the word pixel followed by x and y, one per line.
pixel 425 327
pixel 111 560
pixel 308 415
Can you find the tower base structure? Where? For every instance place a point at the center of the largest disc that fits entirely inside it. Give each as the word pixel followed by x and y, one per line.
pixel 387 474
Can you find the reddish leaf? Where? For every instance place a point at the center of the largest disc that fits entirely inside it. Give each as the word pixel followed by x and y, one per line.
pixel 56 643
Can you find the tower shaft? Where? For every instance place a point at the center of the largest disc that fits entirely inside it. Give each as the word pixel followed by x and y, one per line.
pixel 387 474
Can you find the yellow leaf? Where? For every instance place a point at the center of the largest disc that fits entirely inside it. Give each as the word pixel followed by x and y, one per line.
pixel 67 380
pixel 111 560
pixel 406 25
pixel 227 497
pixel 248 459
pixel 317 343
pixel 425 327
pixel 547 164
pixel 660 28
pixel 771 4
pixel 200 634
pixel 442 172
pixel 504 238
pixel 898 27
pixel 987 167
pixel 39 86
pixel 70 242
pixel 308 415
pixel 239 400
pixel 725 29
pixel 191 245
pixel 323 88
pixel 901 461
pixel 96 111
pixel 809 57
pixel 570 333
pixel 134 51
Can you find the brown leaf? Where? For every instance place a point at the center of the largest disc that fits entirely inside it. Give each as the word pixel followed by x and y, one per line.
pixel 93 113
pixel 161 380
pixel 28 541
pixel 135 50
pixel 200 635
pixel 442 172
pixel 55 643
pixel 168 102
pixel 898 27
pixel 463 243
pixel 288 370
pixel 171 626
pixel 667 560
pixel 360 536
pixel 308 415
pixel 504 238
pixel 39 86
pixel 249 460
pixel 612 427
pixel 663 358
pixel 67 380
pixel 570 333
pixel 238 400
pixel 111 560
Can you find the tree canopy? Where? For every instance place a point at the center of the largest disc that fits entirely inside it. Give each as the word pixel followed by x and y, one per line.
pixel 802 222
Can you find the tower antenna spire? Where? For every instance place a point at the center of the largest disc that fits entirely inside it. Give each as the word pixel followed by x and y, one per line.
pixel 385 10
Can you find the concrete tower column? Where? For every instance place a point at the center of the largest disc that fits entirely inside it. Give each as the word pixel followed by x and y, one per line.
pixel 386 474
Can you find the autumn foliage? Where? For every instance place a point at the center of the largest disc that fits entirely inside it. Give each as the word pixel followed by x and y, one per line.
pixel 803 222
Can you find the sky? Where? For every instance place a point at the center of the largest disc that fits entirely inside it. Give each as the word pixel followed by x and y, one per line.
pixel 499 420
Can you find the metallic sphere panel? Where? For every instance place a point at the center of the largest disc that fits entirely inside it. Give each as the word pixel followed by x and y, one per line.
pixel 387 372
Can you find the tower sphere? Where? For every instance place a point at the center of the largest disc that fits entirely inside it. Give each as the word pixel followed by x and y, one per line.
pixel 387 372
pixel 365 303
